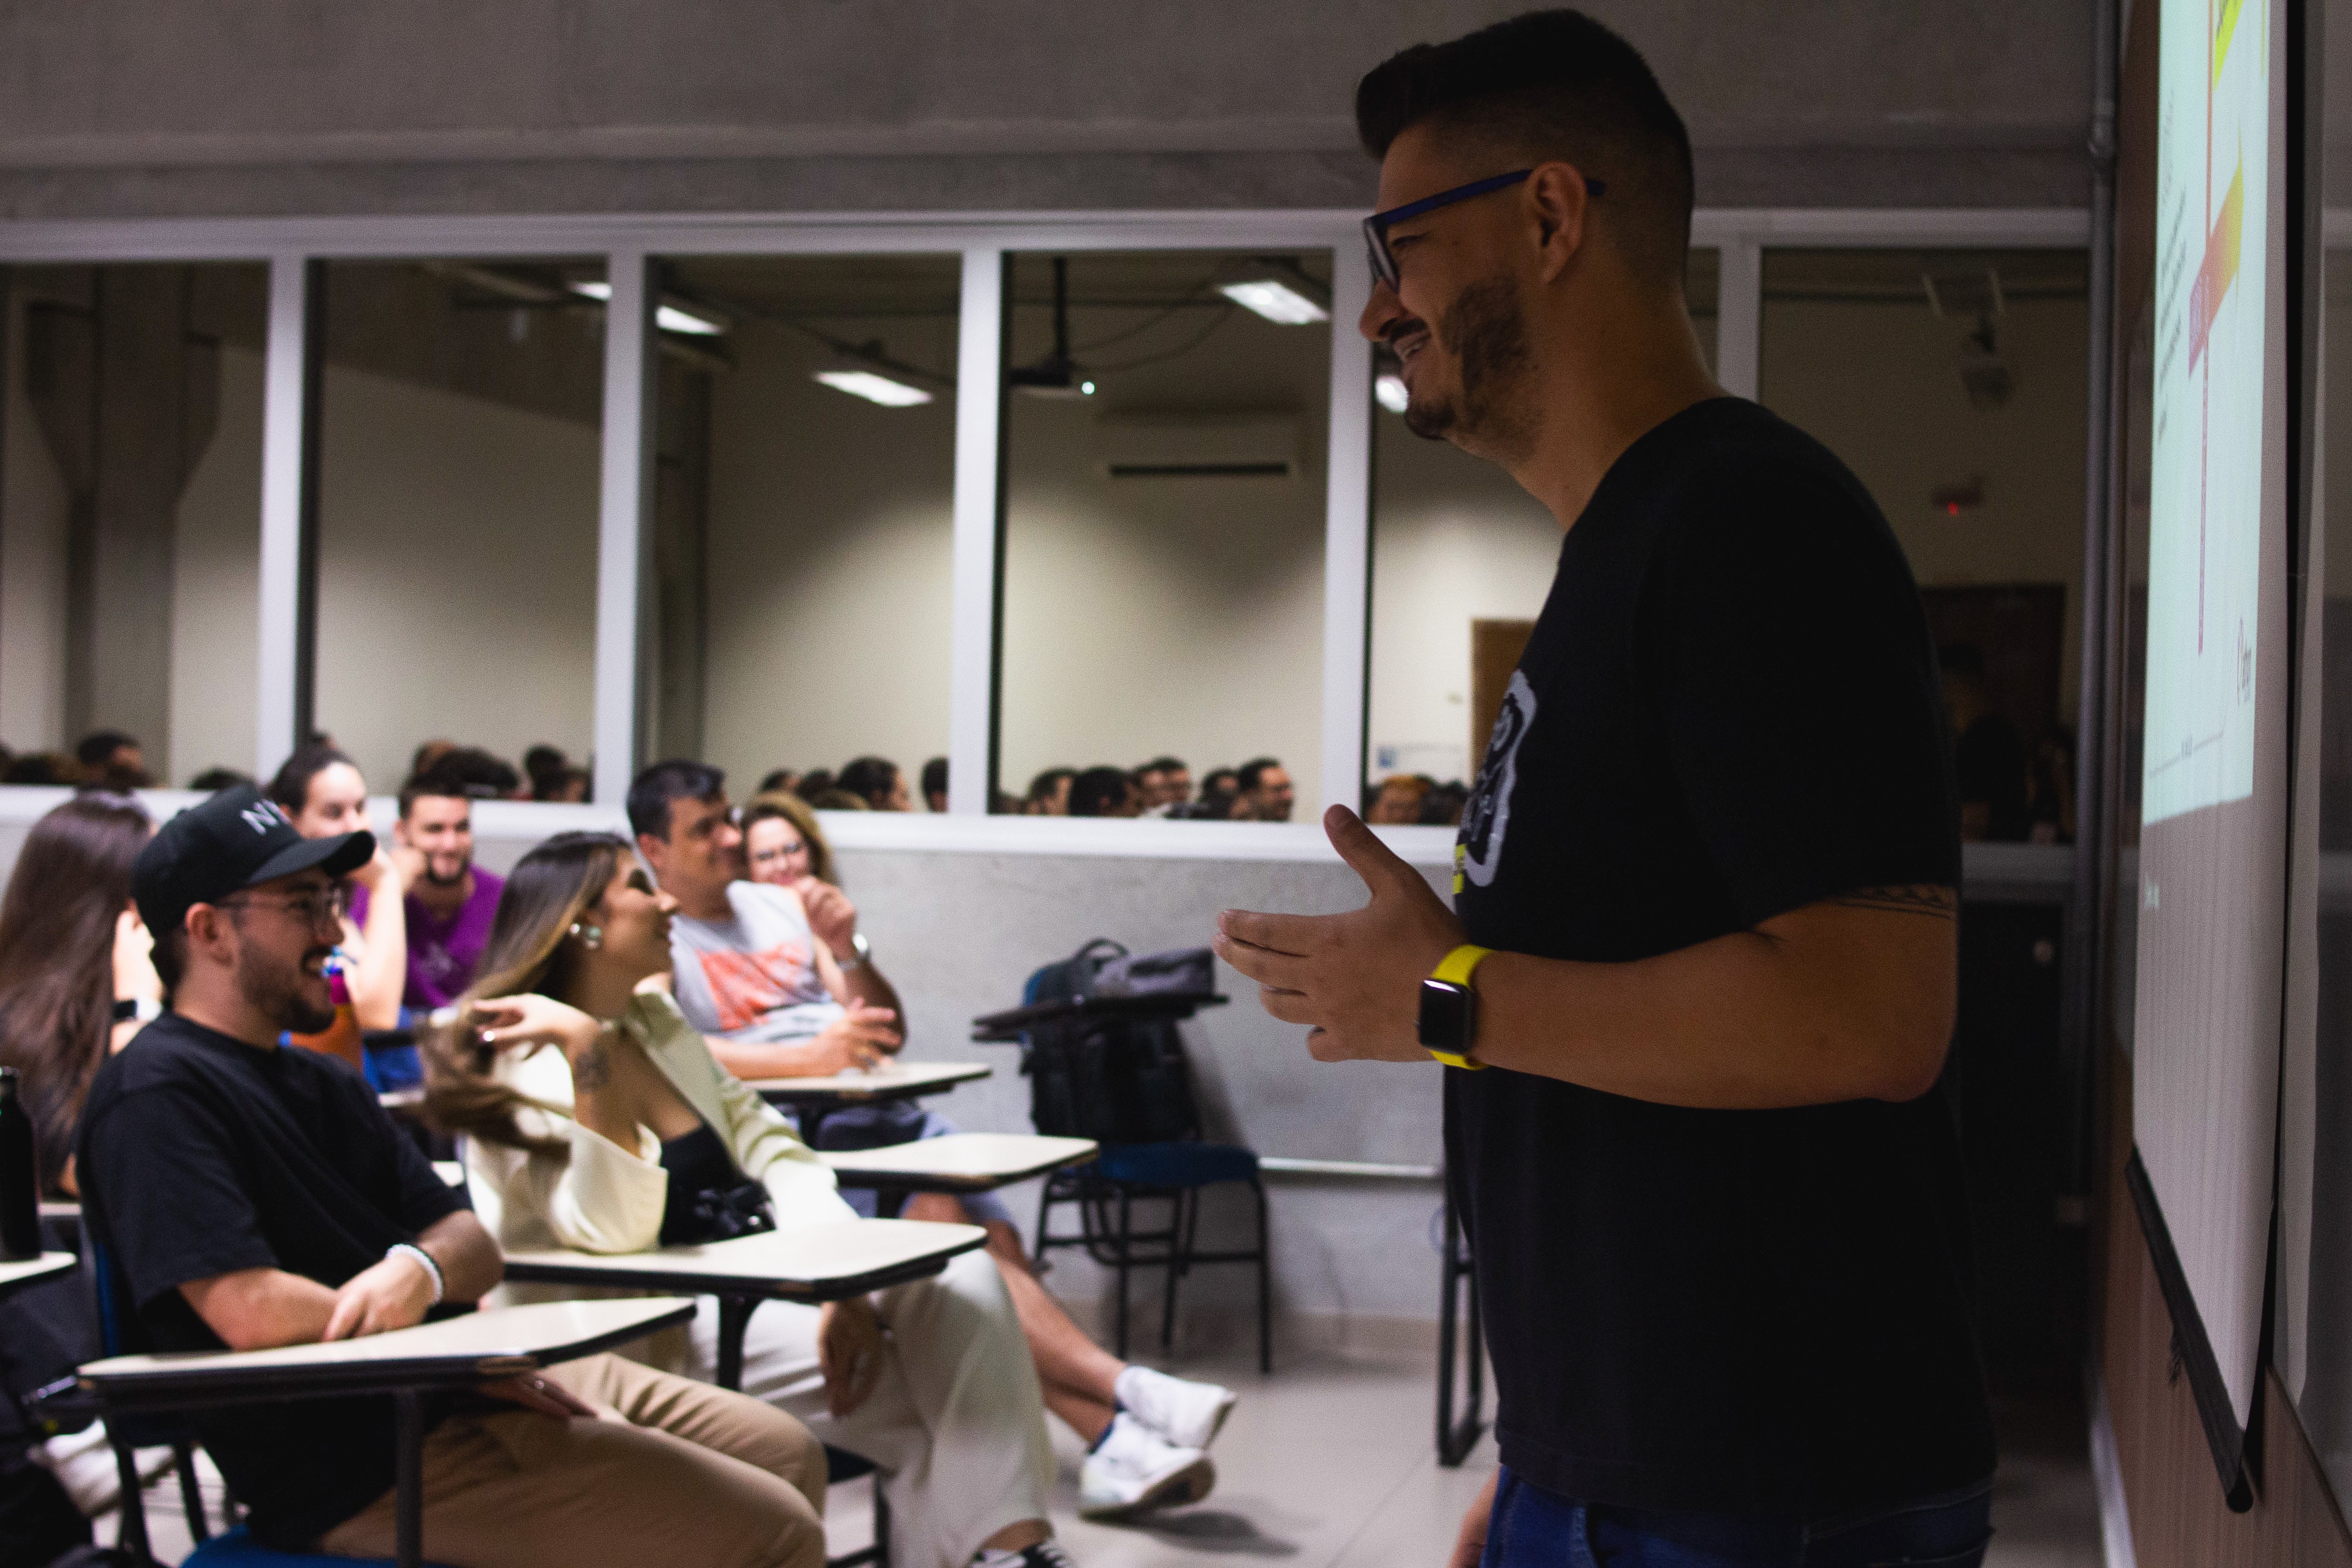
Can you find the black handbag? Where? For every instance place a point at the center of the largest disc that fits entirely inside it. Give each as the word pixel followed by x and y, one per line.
pixel 720 1214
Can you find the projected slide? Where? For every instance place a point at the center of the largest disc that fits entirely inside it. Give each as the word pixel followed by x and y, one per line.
pixel 2205 533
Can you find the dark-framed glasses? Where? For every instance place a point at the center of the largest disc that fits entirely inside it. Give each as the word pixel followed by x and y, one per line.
pixel 1377 227
pixel 324 907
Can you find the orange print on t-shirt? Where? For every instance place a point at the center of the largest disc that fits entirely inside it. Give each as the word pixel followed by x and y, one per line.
pixel 745 987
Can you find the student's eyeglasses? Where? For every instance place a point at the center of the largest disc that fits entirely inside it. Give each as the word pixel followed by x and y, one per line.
pixel 1377 227
pixel 324 907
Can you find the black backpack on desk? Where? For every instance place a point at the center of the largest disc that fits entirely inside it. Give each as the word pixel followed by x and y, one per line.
pixel 1114 1079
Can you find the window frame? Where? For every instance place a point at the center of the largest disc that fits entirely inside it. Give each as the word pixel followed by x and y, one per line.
pixel 630 243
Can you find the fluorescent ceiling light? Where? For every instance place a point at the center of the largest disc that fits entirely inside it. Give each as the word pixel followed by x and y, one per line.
pixel 670 316
pixel 1391 390
pixel 874 388
pixel 1275 301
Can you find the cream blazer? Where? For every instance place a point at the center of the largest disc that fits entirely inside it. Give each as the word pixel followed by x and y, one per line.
pixel 604 1199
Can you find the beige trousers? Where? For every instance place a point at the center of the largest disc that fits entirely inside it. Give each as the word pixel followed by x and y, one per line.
pixel 672 1471
pixel 957 1423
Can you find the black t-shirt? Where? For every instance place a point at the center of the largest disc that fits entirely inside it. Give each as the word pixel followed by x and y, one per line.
pixel 1728 709
pixel 199 1156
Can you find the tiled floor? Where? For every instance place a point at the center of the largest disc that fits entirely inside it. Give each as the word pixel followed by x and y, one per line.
pixel 1328 1464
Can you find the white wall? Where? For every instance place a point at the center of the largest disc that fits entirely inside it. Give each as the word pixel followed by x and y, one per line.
pixel 1454 539
pixel 457 573
pixel 831 539
pixel 216 586
pixel 33 512
pixel 1879 385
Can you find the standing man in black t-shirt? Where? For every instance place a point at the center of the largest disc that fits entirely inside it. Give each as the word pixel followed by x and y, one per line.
pixel 1699 979
pixel 249 1193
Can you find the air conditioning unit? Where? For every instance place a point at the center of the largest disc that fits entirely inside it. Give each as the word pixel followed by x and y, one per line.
pixel 1198 447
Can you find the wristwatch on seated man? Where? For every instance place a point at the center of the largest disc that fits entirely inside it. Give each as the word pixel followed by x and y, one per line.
pixel 1449 1008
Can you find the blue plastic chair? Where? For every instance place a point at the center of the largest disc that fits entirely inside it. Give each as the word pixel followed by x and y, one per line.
pixel 120 1333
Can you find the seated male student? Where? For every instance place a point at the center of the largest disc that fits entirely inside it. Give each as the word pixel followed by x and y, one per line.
pixel 756 971
pixel 252 1194
pixel 450 901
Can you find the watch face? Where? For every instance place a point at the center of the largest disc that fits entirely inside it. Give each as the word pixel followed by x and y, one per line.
pixel 1447 1013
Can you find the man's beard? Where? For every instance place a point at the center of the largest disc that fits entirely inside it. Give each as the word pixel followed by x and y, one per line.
pixel 277 992
pixel 465 866
pixel 1487 336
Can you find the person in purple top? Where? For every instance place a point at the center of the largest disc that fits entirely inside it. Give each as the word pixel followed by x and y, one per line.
pixel 450 899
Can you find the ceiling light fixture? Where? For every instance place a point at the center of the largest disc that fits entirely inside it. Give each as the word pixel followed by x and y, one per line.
pixel 1278 301
pixel 671 315
pixel 874 388
pixel 1391 390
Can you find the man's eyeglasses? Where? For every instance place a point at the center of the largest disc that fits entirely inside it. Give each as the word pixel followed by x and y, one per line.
pixel 1377 227
pixel 324 907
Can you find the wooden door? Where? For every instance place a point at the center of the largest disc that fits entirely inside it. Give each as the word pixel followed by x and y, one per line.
pixel 1494 650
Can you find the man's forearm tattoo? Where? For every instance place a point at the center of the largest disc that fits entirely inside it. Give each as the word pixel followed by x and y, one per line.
pixel 593 1070
pixel 1923 899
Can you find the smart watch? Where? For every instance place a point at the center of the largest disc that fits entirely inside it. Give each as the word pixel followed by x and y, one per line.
pixel 1449 1008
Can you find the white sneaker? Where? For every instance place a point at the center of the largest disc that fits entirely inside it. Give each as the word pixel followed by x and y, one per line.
pixel 1187 1413
pixel 1134 1470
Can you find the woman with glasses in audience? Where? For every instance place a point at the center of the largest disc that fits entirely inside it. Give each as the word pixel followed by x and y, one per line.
pixel 75 979
pixel 596 1118
pixel 321 792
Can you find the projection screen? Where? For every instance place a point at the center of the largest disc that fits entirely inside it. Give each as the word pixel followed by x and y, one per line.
pixel 2213 822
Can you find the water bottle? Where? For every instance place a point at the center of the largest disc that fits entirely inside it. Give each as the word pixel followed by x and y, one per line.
pixel 20 1178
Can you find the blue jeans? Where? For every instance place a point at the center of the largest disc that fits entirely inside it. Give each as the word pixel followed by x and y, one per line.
pixel 1531 1527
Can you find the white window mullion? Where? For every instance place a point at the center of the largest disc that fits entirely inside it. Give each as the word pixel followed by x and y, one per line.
pixel 277 646
pixel 625 501
pixel 1347 539
pixel 1739 317
pixel 973 629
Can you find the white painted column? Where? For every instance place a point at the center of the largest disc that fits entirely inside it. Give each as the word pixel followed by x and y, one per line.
pixel 1739 318
pixel 627 495
pixel 1346 539
pixel 279 636
pixel 972 630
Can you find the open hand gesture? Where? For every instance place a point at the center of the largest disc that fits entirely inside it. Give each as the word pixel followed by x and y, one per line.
pixel 1353 979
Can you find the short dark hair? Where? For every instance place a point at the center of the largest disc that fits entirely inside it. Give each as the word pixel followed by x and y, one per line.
pixel 1220 780
pixel 97 747
pixel 776 779
pixel 478 774
pixel 651 792
pixel 1247 775
pixel 1163 765
pixel 290 786
pixel 935 776
pixel 435 784
pixel 1552 85
pixel 1098 792
pixel 211 780
pixel 868 777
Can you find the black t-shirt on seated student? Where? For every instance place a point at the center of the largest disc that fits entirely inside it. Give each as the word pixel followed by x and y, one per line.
pixel 1728 709
pixel 199 1155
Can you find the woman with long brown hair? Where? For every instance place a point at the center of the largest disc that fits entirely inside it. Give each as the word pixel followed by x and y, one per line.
pixel 596 1118
pixel 71 947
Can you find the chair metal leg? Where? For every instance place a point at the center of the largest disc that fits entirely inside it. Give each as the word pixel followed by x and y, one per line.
pixel 1264 1283
pixel 1126 1218
pixel 1180 1248
pixel 881 1524
pixel 408 1483
pixel 1456 1436
pixel 191 1497
pixel 132 1533
pixel 734 1318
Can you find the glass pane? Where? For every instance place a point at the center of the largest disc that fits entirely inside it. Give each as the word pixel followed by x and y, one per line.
pixel 1166 432
pixel 130 518
pixel 804 515
pixel 1952 382
pixel 462 404
pixel 1462 558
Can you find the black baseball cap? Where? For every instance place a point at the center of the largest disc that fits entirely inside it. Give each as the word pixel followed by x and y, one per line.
pixel 234 839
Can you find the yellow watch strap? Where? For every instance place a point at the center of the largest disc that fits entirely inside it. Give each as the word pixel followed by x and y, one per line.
pixel 1455 968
